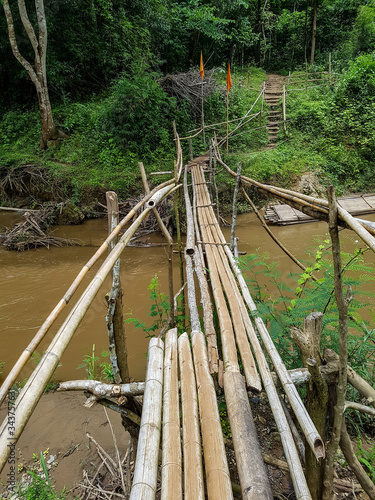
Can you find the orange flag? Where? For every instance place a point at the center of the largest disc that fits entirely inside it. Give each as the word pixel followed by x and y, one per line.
pixel 229 79
pixel 201 69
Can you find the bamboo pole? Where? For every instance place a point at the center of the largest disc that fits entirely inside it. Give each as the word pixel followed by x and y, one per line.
pixel 216 466
pixel 114 318
pixel 171 472
pixel 284 109
pixel 146 465
pixel 203 133
pixel 208 320
pixel 25 356
pixel 218 267
pixel 169 239
pixel 234 208
pixel 33 390
pixel 193 472
pixel 190 243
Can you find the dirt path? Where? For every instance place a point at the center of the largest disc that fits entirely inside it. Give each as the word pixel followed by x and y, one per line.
pixel 274 90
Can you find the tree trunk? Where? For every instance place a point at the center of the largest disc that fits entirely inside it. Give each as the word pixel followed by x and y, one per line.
pixel 313 32
pixel 36 72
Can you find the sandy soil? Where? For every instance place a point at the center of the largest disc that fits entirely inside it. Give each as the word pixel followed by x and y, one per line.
pixel 59 423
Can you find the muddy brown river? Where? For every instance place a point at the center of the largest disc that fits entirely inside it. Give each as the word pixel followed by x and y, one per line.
pixel 32 283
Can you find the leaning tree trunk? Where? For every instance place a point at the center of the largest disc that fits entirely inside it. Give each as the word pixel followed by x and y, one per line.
pixel 36 72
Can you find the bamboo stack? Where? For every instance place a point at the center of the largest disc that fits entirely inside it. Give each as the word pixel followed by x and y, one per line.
pixel 252 472
pixel 145 478
pixel 291 453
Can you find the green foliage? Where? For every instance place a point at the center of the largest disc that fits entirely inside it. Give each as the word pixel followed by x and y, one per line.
pixel 160 311
pixel 367 458
pixel 1 367
pixel 224 420
pixel 289 306
pixel 95 367
pixel 39 488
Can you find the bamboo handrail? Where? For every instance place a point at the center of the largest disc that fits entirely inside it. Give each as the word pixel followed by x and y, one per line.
pixel 28 351
pixel 33 390
pixel 145 478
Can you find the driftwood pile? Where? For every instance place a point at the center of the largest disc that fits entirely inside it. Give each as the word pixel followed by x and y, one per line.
pixel 188 86
pixel 33 232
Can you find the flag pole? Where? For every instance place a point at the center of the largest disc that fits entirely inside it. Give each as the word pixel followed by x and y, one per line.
pixel 204 135
pixel 227 119
pixel 201 73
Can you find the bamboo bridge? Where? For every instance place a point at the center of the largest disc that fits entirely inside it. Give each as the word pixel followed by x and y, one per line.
pixel 180 414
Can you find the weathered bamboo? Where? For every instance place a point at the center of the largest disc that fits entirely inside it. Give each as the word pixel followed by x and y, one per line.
pixel 114 318
pixel 284 109
pixel 102 390
pixel 251 469
pixel 171 472
pixel 146 465
pixel 312 436
pixel 217 267
pixel 208 320
pixel 365 230
pixel 234 208
pixel 25 356
pixel 216 466
pixel 193 473
pixel 31 393
pixel 190 243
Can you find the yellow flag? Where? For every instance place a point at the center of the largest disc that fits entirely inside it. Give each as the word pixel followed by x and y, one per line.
pixel 229 79
pixel 201 69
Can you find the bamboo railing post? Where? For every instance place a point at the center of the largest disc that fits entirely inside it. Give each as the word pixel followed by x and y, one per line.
pixel 203 132
pixel 329 67
pixel 114 318
pixel 234 208
pixel 284 109
pixel 145 478
pixel 169 239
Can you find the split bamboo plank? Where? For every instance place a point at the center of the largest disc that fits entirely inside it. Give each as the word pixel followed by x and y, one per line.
pixel 193 473
pixel 33 390
pixel 248 362
pixel 254 485
pixel 216 466
pixel 25 356
pixel 146 465
pixel 171 472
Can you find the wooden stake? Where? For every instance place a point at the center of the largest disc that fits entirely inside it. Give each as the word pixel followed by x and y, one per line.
pixel 114 318
pixel 234 208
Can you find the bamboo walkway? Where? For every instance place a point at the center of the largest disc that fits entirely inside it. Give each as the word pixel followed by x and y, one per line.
pixel 194 463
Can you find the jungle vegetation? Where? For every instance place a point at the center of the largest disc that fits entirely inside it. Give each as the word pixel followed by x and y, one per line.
pixel 102 67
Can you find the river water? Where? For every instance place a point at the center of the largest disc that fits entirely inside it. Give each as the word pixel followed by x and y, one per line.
pixel 33 282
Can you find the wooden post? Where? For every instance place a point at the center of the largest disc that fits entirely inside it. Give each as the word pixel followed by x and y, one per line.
pixel 234 209
pixel 227 121
pixel 308 342
pixel 114 317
